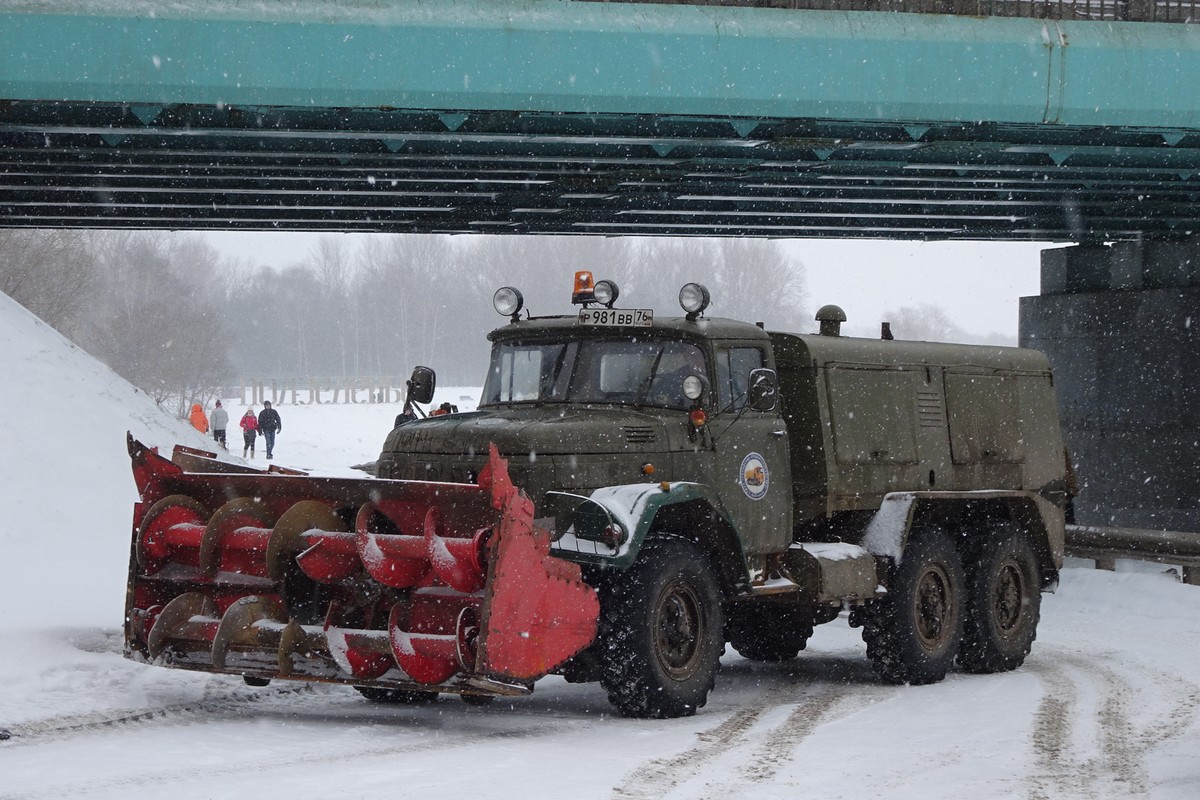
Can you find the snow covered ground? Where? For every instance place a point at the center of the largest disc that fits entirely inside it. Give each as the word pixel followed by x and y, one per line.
pixel 1106 707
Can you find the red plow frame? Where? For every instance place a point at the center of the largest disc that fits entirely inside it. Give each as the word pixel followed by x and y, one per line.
pixel 408 585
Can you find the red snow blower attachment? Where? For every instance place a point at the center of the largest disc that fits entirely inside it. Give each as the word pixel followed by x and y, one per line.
pixel 378 583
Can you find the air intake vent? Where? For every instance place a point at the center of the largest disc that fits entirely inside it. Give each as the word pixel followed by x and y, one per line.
pixel 931 411
pixel 639 434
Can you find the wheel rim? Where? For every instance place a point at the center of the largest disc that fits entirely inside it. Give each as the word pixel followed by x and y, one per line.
pixel 679 629
pixel 933 606
pixel 1008 594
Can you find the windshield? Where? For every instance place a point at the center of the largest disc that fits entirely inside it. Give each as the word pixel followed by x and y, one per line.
pixel 643 372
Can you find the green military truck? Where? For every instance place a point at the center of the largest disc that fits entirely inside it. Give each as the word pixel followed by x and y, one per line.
pixel 716 482
pixel 632 493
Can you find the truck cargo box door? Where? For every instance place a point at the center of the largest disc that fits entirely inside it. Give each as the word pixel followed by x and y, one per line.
pixel 984 417
pixel 873 412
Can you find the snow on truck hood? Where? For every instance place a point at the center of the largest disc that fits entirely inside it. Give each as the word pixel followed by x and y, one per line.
pixel 546 430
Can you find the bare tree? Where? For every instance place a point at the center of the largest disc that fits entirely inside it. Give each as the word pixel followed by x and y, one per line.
pixel 930 322
pixel 157 320
pixel 409 300
pixel 50 272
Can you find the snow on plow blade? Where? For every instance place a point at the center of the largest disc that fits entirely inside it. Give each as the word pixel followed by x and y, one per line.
pixel 397 584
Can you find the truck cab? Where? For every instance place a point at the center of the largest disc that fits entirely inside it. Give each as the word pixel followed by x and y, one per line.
pixel 584 402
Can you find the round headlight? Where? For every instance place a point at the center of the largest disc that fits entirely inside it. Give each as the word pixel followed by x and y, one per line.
pixel 693 387
pixel 606 293
pixel 693 298
pixel 508 301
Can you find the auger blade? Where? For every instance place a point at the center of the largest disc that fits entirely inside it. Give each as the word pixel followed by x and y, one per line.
pixel 391 584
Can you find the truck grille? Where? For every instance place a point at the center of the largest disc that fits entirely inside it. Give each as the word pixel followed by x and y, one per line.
pixel 639 434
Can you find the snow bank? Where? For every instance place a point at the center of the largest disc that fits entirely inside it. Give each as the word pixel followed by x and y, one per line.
pixel 65 484
pixel 66 490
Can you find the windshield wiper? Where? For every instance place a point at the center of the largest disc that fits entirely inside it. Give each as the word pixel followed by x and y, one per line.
pixel 644 389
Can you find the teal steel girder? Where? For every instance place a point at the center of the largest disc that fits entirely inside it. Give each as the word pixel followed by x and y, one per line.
pixel 553 116
pixel 610 58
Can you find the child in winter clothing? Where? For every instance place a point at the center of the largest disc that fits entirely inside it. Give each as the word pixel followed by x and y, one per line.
pixel 249 426
pixel 197 418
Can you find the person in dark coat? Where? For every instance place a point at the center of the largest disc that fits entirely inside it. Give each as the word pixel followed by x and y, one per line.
pixel 269 424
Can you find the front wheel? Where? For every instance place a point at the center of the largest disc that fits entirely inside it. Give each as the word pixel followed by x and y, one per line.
pixel 1004 601
pixel 662 632
pixel 913 635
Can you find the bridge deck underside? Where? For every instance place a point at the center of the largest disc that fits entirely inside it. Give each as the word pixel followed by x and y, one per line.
pixel 278 168
pixel 529 116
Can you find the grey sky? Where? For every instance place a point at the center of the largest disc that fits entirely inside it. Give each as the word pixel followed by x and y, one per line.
pixel 977 283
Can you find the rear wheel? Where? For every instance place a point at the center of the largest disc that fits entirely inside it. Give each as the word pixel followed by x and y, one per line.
pixel 400 697
pixel 662 632
pixel 913 635
pixel 768 632
pixel 1003 602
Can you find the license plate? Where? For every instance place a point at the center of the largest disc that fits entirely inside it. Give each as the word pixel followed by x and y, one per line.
pixel 617 317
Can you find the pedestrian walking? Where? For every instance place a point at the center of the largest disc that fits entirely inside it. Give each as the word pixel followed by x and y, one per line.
pixel 249 426
pixel 197 418
pixel 269 424
pixel 219 422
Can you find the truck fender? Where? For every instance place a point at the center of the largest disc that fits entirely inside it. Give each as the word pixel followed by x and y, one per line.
pixel 887 532
pixel 637 509
pixel 888 529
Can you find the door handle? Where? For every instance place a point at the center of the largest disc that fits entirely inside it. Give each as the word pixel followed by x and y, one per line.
pixel 779 433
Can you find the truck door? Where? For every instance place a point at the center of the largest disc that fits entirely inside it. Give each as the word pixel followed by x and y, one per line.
pixel 752 458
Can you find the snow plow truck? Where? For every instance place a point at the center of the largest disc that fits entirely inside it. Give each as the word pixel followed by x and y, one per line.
pixel 633 493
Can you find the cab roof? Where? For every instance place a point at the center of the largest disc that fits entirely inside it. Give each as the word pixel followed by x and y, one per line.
pixel 681 327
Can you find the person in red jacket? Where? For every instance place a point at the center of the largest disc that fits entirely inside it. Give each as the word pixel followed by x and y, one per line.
pixel 198 420
pixel 249 425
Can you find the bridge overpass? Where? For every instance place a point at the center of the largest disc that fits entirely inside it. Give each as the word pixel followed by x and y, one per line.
pixel 544 116
pixel 547 116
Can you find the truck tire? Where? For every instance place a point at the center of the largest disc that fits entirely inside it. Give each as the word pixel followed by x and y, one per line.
pixel 768 632
pixel 913 635
pixel 398 697
pixel 662 632
pixel 1003 603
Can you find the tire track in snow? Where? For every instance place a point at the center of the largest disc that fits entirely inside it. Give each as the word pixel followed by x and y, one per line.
pixel 1116 768
pixel 224 702
pixel 778 746
pixel 780 743
pixel 659 775
pixel 766 748
pixel 1051 732
pixel 174 776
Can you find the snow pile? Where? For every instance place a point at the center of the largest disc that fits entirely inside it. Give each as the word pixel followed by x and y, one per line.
pixel 65 484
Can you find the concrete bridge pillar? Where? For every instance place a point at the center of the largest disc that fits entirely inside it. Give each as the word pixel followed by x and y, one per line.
pixel 1120 324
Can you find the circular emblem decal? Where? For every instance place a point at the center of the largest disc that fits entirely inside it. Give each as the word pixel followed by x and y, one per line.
pixel 754 477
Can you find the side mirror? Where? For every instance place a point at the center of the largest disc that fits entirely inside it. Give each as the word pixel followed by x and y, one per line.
pixel 763 390
pixel 421 385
